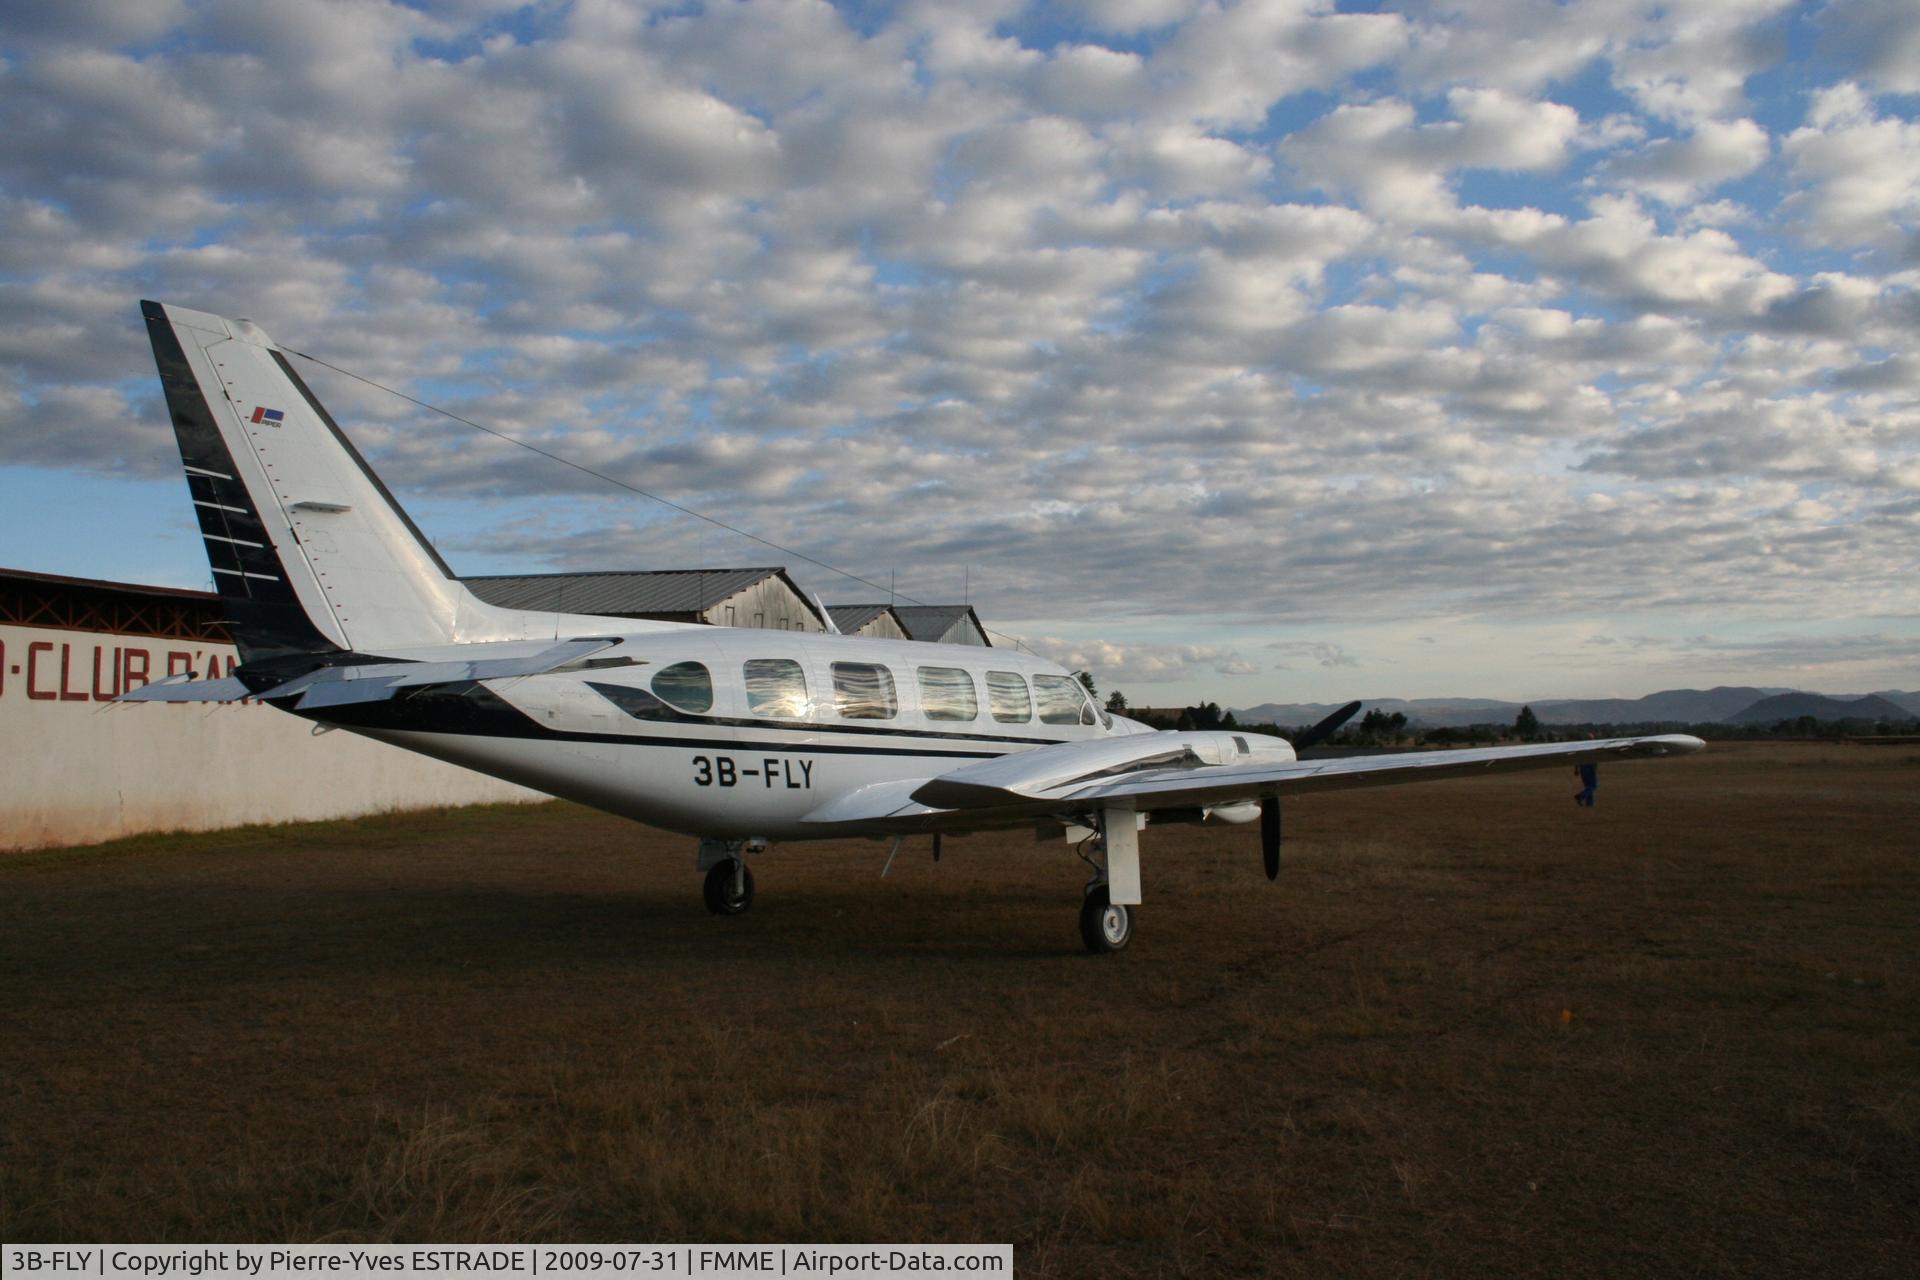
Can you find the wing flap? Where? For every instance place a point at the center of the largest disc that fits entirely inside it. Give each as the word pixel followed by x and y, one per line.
pixel 881 801
pixel 1052 770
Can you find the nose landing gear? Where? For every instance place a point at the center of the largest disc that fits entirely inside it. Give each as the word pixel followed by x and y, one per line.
pixel 729 886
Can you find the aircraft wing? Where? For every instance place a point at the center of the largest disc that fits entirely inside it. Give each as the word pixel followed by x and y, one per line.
pixel 1049 782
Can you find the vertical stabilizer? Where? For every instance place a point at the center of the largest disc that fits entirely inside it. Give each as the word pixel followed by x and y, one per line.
pixel 309 549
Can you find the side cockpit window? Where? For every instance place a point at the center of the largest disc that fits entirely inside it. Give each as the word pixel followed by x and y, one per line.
pixel 946 693
pixel 776 687
pixel 685 686
pixel 1007 696
pixel 864 691
pixel 1062 699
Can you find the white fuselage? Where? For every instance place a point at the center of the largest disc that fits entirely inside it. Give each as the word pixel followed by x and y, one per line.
pixel 769 748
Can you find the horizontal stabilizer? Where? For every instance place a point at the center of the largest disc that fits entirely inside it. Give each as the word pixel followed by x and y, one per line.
pixel 378 681
pixel 184 688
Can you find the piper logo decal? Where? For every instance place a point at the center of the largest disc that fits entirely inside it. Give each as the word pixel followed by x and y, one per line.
pixel 272 417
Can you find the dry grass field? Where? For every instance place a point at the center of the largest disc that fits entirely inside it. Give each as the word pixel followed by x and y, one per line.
pixel 1473 1029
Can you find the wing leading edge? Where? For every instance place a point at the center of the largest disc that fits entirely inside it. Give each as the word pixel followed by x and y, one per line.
pixel 1085 777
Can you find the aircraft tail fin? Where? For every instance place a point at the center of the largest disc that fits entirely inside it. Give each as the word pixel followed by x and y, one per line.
pixel 308 548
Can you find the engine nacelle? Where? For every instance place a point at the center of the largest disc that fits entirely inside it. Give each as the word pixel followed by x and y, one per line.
pixel 1240 811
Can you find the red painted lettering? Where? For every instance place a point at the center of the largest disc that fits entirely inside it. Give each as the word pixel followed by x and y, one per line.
pixel 34 651
pixel 178 661
pixel 3 668
pixel 66 662
pixel 113 691
pixel 134 664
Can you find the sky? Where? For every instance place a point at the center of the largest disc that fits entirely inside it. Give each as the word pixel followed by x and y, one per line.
pixel 1288 351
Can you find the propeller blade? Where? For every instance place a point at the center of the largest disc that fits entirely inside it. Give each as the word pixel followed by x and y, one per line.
pixel 1270 835
pixel 1326 728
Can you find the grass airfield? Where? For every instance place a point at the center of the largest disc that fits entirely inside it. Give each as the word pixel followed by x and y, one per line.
pixel 1473 1028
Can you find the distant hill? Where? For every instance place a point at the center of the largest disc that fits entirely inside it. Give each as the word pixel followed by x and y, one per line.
pixel 1735 704
pixel 1684 706
pixel 1429 712
pixel 1900 698
pixel 1791 706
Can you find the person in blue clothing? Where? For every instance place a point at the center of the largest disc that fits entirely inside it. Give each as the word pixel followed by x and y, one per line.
pixel 1589 782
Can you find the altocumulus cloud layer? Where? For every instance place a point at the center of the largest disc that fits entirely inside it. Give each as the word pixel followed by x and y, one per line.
pixel 1259 317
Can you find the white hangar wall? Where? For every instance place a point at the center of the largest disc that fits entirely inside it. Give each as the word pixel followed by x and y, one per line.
pixel 79 769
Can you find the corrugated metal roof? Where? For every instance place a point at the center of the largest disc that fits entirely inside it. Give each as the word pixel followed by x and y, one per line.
pixel 922 621
pixel 683 591
pixel 105 584
pixel 851 617
pixel 932 621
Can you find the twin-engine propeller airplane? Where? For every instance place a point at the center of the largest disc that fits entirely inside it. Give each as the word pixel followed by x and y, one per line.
pixel 343 613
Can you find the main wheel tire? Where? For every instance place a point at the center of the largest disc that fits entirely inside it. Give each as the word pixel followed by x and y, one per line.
pixel 719 891
pixel 1104 926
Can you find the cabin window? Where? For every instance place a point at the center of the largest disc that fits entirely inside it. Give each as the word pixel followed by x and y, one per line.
pixel 685 686
pixel 946 693
pixel 863 691
pixel 1062 699
pixel 1007 696
pixel 776 687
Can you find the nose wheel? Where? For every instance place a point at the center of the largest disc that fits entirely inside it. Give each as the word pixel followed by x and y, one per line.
pixel 1105 926
pixel 729 888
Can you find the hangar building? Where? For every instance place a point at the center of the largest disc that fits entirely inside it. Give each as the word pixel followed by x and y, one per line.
pixel 876 621
pixel 81 768
pixel 940 623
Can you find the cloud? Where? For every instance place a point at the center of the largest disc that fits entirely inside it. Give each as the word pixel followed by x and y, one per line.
pixel 1620 252
pixel 1400 167
pixel 1814 657
pixel 1321 653
pixel 1685 61
pixel 1860 171
pixel 1876 40
pixel 1116 665
pixel 1678 170
pixel 1250 316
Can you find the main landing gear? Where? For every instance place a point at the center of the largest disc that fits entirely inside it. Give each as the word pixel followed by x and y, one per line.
pixel 1106 912
pixel 1105 926
pixel 729 885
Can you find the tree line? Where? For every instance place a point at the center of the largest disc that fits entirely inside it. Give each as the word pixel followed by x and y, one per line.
pixel 1378 728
